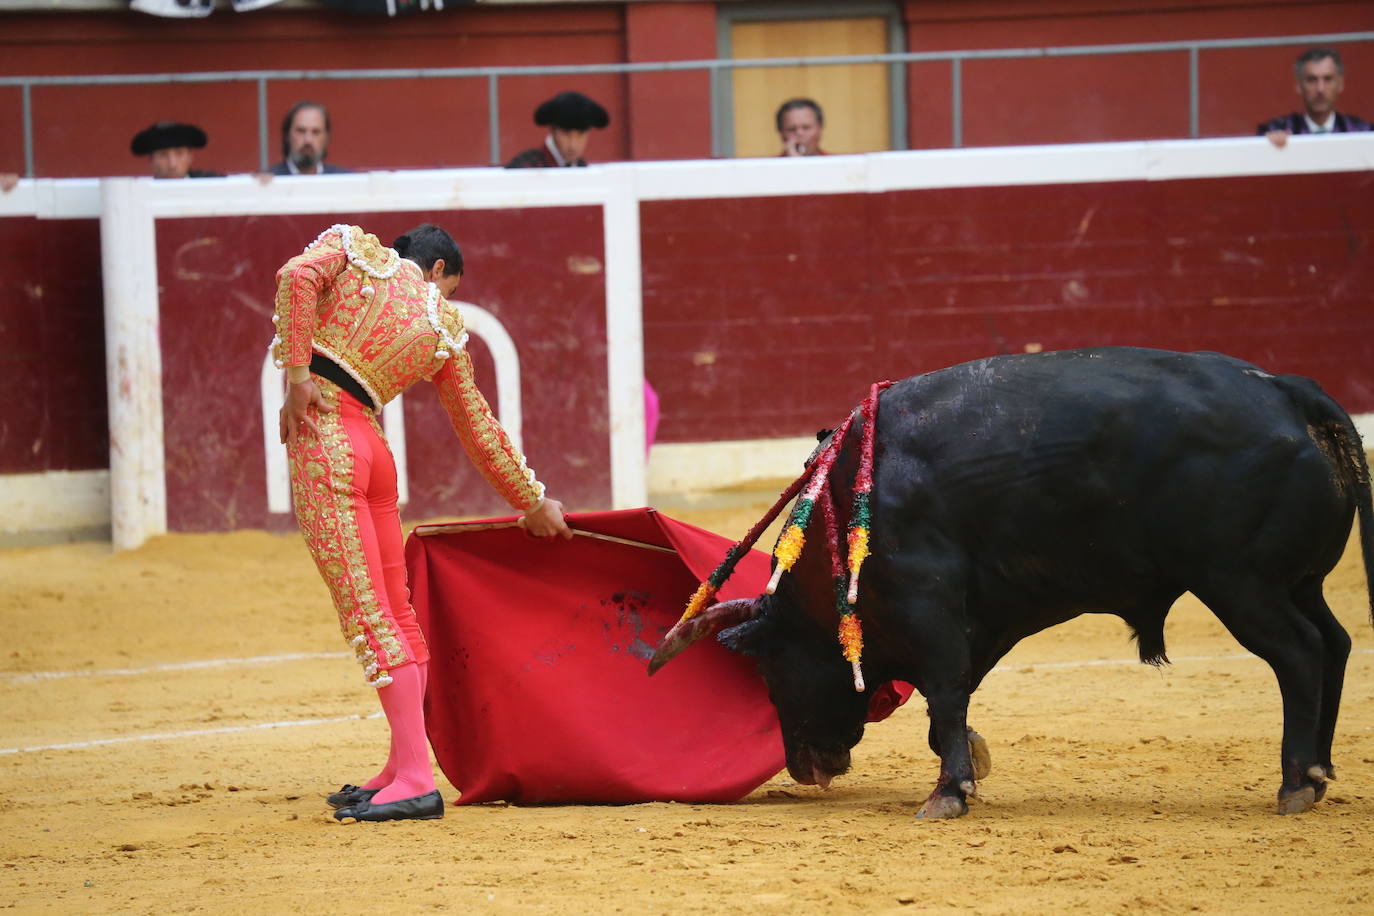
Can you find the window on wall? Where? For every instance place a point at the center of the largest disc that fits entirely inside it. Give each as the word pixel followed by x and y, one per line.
pixel 864 104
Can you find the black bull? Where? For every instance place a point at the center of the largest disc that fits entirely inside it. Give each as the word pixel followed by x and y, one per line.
pixel 1017 492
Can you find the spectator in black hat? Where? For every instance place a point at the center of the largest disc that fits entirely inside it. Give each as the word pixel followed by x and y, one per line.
pixel 568 116
pixel 169 147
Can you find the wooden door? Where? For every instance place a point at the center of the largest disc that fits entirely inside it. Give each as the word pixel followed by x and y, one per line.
pixel 854 97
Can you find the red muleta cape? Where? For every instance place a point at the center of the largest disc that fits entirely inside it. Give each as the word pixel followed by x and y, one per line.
pixel 538 690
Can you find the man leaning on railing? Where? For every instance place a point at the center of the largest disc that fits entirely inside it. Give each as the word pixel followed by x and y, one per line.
pixel 1320 81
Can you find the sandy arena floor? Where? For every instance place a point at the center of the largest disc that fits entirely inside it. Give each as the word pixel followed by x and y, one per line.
pixel 149 765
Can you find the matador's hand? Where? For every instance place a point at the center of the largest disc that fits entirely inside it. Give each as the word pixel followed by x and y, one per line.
pixel 547 520
pixel 300 397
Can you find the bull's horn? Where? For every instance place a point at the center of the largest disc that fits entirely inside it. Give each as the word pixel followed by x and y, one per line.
pixel 712 620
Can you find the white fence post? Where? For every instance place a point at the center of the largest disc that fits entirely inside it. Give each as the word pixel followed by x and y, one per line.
pixel 625 340
pixel 133 355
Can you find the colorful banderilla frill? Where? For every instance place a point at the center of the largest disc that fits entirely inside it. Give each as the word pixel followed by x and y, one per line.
pixel 850 632
pixel 860 519
pixel 793 537
pixel 707 590
pixel 813 485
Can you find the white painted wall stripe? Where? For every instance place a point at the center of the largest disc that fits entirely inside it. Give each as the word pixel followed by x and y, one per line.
pixel 272 382
pixel 506 359
pixel 133 362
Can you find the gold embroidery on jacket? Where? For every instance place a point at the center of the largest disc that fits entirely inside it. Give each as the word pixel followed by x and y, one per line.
pixel 482 436
pixel 385 340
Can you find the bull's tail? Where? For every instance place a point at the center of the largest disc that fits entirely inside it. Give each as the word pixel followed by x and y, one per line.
pixel 1334 432
pixel 1358 470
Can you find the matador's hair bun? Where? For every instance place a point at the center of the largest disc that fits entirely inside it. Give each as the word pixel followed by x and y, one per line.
pixel 426 244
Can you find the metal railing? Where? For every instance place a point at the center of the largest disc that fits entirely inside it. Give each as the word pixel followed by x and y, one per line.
pixel 715 67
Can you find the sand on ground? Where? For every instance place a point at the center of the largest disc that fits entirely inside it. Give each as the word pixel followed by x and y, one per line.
pixel 147 765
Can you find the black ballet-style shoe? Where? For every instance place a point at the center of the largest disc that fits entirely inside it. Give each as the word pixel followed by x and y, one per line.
pixel 425 807
pixel 350 795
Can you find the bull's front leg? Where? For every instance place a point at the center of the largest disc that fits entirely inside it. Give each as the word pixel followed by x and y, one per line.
pixel 977 748
pixel 952 739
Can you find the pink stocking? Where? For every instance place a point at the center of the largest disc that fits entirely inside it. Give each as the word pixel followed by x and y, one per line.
pixel 388 773
pixel 403 701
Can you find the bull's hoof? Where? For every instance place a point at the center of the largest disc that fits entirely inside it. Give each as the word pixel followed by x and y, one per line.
pixel 1296 801
pixel 943 806
pixel 981 756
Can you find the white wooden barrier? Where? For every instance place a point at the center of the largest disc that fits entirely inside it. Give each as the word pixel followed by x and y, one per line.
pixel 128 207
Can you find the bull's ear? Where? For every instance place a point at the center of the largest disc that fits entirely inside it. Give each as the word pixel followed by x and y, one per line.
pixel 823 434
pixel 748 638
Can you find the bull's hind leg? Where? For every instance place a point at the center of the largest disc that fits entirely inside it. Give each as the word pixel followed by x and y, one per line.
pixel 1335 652
pixel 1268 623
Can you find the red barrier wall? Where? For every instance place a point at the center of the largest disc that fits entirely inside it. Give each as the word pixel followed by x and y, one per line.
pixel 217 298
pixel 763 317
pixel 52 360
pixel 769 317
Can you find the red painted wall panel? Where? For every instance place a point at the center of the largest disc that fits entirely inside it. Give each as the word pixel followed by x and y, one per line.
pixel 653 116
pixel 377 124
pixel 1075 99
pixel 216 278
pixel 97 143
pixel 52 362
pixel 762 317
pixel 770 317
pixel 12 129
pixel 1128 97
pixel 670 120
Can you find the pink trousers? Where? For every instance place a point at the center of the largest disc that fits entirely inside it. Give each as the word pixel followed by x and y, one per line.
pixel 344 485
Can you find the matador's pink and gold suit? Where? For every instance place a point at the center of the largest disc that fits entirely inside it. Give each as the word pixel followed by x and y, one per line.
pixel 351 301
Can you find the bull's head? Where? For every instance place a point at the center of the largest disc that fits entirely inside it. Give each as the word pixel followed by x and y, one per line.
pixel 808 680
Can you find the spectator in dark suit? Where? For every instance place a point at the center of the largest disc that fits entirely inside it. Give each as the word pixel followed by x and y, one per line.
pixel 569 116
pixel 1320 81
pixel 305 141
pixel 170 147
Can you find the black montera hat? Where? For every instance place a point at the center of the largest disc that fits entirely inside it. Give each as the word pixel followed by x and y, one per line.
pixel 166 135
pixel 571 111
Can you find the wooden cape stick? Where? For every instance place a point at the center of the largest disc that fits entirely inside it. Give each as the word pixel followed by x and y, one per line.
pixel 427 530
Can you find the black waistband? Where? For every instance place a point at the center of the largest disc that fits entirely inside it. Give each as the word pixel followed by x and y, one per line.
pixel 325 367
